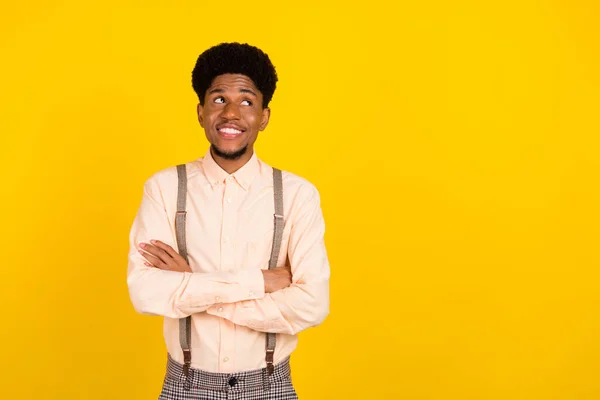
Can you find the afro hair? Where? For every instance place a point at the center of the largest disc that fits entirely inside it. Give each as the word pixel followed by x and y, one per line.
pixel 235 58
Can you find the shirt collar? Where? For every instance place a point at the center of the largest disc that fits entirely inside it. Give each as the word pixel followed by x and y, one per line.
pixel 217 175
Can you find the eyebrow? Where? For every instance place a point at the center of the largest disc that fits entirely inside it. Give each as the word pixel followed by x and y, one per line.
pixel 217 90
pixel 248 91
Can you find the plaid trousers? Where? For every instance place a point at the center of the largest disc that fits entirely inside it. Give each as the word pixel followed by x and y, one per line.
pixel 248 385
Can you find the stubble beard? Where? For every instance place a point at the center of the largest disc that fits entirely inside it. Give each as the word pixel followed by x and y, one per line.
pixel 229 155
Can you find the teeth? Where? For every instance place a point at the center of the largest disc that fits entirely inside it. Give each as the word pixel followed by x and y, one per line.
pixel 230 131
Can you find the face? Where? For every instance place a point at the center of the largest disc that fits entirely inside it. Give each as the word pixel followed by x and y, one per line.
pixel 232 116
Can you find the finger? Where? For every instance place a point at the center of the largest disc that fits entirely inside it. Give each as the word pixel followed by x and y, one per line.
pixel 168 249
pixel 157 252
pixel 155 261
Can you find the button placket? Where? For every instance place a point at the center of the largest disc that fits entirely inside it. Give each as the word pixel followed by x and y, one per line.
pixel 229 222
pixel 228 231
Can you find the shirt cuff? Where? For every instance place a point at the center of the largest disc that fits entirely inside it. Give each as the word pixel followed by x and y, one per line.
pixel 247 284
pixel 251 284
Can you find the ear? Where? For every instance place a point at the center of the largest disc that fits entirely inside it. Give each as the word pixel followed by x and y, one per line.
pixel 266 114
pixel 199 110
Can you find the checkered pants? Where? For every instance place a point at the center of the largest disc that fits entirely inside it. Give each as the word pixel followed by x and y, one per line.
pixel 249 385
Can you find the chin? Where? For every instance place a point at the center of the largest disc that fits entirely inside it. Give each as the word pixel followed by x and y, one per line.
pixel 231 150
pixel 230 153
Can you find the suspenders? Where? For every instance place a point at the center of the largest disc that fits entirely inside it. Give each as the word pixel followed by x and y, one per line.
pixel 277 236
pixel 185 324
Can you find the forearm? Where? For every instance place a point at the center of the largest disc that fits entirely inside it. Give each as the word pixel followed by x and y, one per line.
pixel 179 294
pixel 289 310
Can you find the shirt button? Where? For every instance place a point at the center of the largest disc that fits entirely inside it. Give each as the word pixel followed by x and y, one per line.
pixel 229 200
pixel 251 293
pixel 230 177
pixel 220 309
pixel 226 239
pixel 217 298
pixel 225 359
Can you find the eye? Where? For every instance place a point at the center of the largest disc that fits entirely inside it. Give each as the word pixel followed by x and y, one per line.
pixel 247 102
pixel 219 100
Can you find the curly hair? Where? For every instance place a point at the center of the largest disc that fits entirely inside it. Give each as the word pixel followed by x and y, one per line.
pixel 235 58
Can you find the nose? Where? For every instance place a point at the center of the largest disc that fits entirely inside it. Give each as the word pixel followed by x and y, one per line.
pixel 231 111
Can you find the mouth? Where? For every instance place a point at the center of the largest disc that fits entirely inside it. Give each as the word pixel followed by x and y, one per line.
pixel 229 131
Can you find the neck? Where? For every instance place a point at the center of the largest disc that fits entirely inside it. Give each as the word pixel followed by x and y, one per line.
pixel 230 166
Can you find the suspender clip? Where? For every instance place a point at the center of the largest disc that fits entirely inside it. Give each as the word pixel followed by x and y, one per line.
pixel 269 359
pixel 187 360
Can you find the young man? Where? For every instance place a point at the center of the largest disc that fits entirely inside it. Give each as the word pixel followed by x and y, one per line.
pixel 233 280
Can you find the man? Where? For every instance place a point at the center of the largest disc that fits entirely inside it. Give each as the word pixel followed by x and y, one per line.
pixel 246 301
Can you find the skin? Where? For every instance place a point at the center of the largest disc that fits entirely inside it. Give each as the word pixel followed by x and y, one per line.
pixel 232 101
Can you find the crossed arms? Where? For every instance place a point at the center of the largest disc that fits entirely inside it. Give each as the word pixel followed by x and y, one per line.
pixel 286 299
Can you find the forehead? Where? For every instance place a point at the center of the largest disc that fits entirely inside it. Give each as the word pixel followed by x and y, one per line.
pixel 233 81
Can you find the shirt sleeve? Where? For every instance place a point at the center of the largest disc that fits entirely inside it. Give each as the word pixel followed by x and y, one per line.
pixel 305 303
pixel 178 294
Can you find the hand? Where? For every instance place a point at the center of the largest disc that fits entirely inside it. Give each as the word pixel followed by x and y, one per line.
pixel 162 256
pixel 277 278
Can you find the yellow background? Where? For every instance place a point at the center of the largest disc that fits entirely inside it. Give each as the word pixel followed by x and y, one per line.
pixel 455 146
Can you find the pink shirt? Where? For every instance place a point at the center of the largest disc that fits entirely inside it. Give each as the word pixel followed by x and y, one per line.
pixel 229 239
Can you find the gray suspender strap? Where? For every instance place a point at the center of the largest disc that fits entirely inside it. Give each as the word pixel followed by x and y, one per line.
pixel 185 324
pixel 277 237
